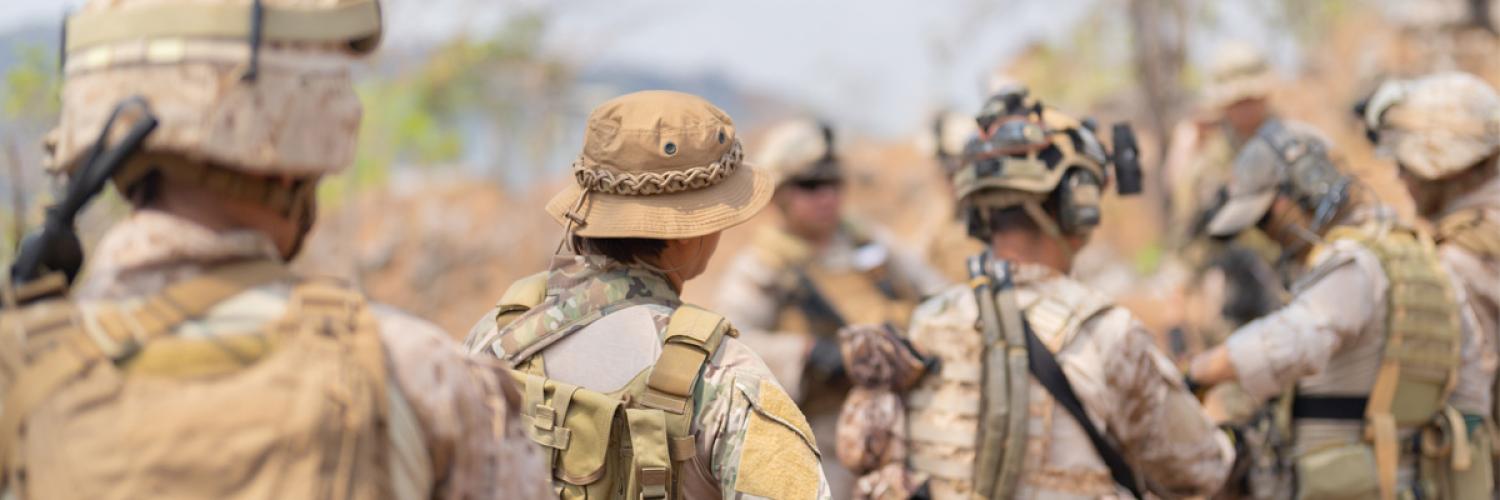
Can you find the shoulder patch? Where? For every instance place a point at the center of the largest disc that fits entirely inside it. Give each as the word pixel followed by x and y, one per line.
pixel 769 463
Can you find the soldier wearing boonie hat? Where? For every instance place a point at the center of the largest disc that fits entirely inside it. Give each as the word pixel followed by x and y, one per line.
pixel 812 272
pixel 1443 131
pixel 610 357
pixel 190 362
pixel 1357 398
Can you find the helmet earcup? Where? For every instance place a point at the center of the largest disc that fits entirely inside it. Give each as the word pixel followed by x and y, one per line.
pixel 1077 201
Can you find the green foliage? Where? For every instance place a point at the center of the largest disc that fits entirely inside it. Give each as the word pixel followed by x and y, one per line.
pixel 31 87
pixel 417 117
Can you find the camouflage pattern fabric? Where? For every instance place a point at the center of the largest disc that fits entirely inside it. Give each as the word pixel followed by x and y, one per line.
pixel 751 440
pixel 872 429
pixel 454 430
pixel 885 361
pixel 1121 377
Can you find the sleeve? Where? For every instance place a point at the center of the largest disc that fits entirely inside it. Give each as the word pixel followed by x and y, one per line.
pixel 462 430
pixel 1160 424
pixel 758 443
pixel 747 298
pixel 1332 307
pixel 924 278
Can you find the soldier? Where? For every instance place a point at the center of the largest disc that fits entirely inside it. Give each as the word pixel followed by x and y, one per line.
pixel 1444 133
pixel 947 240
pixel 1042 388
pixel 191 363
pixel 611 358
pixel 1237 104
pixel 813 273
pixel 1370 343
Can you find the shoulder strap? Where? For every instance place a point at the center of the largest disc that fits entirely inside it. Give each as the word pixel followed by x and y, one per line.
pixel 118 333
pixel 661 426
pixel 1046 370
pixel 1004 390
pixel 1004 325
pixel 693 335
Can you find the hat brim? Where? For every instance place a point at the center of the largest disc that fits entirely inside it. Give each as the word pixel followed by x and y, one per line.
pixel 1255 87
pixel 1240 213
pixel 686 214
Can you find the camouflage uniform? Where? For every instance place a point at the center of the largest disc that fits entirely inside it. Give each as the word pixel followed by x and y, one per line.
pixel 1333 342
pixel 856 277
pixel 620 313
pixel 190 362
pixel 453 430
pixel 703 415
pixel 944 409
pixel 1444 132
pixel 1128 386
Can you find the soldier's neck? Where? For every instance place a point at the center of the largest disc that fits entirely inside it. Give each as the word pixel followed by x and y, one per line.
pixel 1031 247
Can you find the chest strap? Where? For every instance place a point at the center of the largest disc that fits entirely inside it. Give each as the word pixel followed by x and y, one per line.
pixel 119 334
pixel 1330 407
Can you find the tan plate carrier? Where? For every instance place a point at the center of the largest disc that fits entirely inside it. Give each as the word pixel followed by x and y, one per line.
pixel 632 443
pixel 167 415
pixel 1419 363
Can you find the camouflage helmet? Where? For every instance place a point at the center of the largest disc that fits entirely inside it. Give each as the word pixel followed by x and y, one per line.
pixel 799 150
pixel 257 86
pixel 1435 126
pixel 951 134
pixel 1238 71
pixel 1027 154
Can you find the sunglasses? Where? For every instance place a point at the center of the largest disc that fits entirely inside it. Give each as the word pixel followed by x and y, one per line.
pixel 816 184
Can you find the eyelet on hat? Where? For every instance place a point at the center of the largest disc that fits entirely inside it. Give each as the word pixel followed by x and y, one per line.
pixel 670 149
pixel 722 136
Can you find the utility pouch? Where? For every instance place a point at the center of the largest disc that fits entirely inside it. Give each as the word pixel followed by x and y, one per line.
pixel 1455 461
pixel 1338 472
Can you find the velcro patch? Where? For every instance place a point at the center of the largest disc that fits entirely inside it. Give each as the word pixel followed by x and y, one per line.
pixel 779 458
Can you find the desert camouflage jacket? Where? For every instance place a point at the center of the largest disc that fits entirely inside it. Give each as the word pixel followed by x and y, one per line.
pixel 453 428
pixel 1129 388
pixel 604 324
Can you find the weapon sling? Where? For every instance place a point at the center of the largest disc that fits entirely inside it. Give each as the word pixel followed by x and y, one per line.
pixel 998 313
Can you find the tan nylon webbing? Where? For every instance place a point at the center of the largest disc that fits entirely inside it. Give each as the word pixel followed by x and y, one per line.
pixel 692 335
pixel 1415 320
pixel 355 22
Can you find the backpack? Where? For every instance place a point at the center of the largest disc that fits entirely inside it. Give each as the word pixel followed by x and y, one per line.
pixel 631 443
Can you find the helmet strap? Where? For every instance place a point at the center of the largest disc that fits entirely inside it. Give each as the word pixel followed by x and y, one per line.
pixel 1034 210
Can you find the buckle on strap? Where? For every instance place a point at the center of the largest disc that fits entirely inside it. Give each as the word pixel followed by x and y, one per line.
pixel 653 482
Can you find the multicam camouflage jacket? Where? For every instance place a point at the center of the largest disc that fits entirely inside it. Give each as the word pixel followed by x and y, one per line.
pixel 602 324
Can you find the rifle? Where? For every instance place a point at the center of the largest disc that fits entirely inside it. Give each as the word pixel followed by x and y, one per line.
pixel 55 248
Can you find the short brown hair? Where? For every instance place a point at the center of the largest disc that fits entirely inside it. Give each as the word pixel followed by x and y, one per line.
pixel 622 250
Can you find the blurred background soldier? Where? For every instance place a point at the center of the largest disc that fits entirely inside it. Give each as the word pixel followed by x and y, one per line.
pixel 1443 131
pixel 1045 388
pixel 1370 344
pixel 630 389
pixel 1236 103
pixel 815 271
pixel 947 243
pixel 191 363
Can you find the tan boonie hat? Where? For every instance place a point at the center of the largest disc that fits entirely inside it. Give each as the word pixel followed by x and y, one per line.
pixel 799 150
pixel 659 165
pixel 1282 158
pixel 1239 71
pixel 285 105
pixel 1436 126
